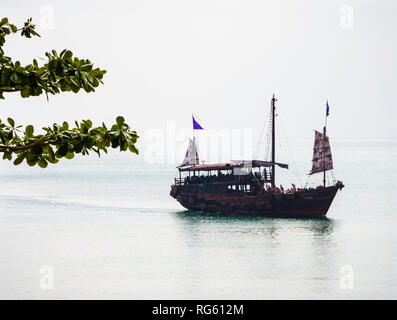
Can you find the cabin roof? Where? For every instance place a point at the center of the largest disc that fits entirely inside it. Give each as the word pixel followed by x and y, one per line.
pixel 232 164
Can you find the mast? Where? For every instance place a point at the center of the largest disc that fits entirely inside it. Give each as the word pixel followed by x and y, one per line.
pixel 194 143
pixel 273 142
pixel 193 127
pixel 324 131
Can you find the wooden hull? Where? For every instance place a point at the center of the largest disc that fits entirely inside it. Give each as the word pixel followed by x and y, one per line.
pixel 305 203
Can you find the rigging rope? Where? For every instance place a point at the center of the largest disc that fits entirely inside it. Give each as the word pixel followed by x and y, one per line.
pixel 269 135
pixel 261 137
pixel 307 181
pixel 295 169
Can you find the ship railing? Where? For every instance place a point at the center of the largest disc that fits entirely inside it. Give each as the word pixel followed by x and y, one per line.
pixel 219 179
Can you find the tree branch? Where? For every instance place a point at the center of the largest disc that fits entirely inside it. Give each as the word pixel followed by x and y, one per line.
pixel 10 90
pixel 27 147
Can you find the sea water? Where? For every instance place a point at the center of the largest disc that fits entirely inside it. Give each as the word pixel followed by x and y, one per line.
pixel 99 228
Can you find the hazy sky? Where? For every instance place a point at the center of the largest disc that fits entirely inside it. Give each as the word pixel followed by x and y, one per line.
pixel 221 60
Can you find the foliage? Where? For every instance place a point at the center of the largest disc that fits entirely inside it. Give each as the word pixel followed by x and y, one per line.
pixel 39 149
pixel 61 73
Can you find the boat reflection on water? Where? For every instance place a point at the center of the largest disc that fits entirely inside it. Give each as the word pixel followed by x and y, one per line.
pixel 256 256
pixel 271 225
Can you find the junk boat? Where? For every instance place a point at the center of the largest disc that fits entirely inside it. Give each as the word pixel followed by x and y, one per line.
pixel 249 186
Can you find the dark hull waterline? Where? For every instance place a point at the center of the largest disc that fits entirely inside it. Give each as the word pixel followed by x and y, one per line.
pixel 305 203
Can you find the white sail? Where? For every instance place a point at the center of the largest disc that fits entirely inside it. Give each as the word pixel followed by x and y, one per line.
pixel 191 157
pixel 322 157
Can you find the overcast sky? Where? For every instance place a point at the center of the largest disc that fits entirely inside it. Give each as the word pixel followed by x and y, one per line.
pixel 221 60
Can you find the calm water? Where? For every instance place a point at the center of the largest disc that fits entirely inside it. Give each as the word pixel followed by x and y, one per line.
pixel 109 229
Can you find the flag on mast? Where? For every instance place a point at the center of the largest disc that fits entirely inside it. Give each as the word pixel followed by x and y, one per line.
pixel 196 125
pixel 327 110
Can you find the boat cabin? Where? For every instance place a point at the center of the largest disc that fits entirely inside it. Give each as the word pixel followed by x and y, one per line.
pixel 235 177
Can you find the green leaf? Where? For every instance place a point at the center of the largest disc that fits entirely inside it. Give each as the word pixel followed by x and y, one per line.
pixel 31 159
pixel 11 122
pixel 29 131
pixel 19 160
pixel 120 121
pixel 37 150
pixel 15 78
pixel 52 65
pixel 13 28
pixel 3 21
pixel 51 153
pixel 7 155
pixel 68 54
pixel 42 163
pixel 4 59
pixel 62 151
pixel 69 155
pixel 115 143
pixel 25 92
pixel 133 149
pixel 65 126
